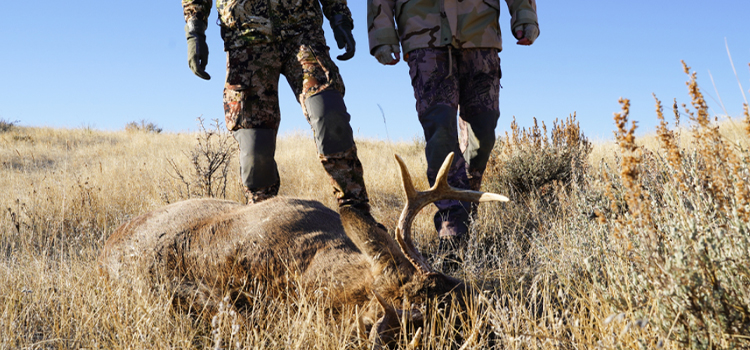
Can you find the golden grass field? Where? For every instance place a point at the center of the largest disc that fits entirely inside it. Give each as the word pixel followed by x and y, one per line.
pixel 630 243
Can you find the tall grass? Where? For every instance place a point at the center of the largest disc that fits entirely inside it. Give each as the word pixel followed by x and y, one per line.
pixel 634 243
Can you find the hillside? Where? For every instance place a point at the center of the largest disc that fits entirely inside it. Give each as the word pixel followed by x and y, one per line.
pixel 632 243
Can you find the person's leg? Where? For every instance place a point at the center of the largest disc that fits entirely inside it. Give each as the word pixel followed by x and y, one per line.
pixel 315 79
pixel 479 86
pixel 436 91
pixel 252 113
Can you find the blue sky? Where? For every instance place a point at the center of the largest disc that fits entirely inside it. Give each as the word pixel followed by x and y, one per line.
pixel 102 64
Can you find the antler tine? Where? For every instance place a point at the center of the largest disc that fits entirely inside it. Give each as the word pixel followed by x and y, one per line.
pixel 415 201
pixel 403 230
pixel 443 190
pixel 411 192
pixel 385 329
pixel 441 181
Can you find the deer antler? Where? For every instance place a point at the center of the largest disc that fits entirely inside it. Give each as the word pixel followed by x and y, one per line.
pixel 416 200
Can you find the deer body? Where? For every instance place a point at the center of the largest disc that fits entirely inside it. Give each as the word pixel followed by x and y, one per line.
pixel 209 242
pixel 206 249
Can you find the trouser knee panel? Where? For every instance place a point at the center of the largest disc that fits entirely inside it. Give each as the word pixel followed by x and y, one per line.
pixel 481 140
pixel 257 164
pixel 329 120
pixel 440 134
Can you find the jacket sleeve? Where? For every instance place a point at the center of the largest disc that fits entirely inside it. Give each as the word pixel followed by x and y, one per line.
pixel 336 7
pixel 197 8
pixel 381 28
pixel 522 12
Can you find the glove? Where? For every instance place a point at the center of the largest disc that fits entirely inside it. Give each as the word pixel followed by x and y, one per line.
pixel 529 32
pixel 195 32
pixel 388 54
pixel 342 31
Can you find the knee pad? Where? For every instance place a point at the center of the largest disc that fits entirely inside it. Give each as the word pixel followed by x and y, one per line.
pixel 329 120
pixel 257 164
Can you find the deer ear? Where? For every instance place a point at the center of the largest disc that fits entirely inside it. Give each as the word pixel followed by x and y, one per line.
pixel 383 332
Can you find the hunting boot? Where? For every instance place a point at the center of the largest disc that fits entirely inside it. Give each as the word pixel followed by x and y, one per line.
pixel 452 222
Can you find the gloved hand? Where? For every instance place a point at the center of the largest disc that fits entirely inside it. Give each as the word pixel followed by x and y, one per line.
pixel 195 31
pixel 342 31
pixel 526 33
pixel 388 54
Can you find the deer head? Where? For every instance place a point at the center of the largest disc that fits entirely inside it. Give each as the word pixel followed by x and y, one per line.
pixel 422 282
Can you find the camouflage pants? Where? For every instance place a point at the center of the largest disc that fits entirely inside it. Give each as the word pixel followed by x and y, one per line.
pixel 251 102
pixel 448 82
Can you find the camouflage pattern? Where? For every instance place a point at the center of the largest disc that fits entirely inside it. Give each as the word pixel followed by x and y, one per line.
pixel 347 176
pixel 468 78
pixel 251 101
pixel 438 23
pixel 250 22
pixel 268 38
pixel 251 96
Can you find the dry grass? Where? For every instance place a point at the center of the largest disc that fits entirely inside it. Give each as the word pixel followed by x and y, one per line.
pixel 638 243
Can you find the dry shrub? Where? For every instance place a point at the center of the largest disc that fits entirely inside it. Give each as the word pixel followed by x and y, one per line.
pixel 527 161
pixel 210 160
pixel 533 167
pixel 7 125
pixel 679 252
pixel 143 126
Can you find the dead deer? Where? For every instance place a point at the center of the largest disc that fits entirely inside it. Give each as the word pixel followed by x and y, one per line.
pixel 208 249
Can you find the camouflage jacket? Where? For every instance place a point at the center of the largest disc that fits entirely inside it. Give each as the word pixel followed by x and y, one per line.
pixel 248 22
pixel 437 23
